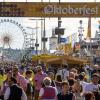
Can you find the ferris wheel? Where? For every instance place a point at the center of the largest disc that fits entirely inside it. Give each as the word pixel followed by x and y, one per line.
pixel 12 36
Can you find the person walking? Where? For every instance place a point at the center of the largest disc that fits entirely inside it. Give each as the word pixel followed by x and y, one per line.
pixel 48 92
pixel 14 92
pixel 29 90
pixel 5 85
pixel 21 81
pixel 38 80
pixel 65 93
pixel 94 87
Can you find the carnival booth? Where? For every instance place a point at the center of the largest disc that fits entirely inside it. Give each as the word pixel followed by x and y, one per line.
pixel 58 60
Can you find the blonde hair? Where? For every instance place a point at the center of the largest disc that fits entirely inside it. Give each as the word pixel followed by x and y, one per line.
pixel 47 81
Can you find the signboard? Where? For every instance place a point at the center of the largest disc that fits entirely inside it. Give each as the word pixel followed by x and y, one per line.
pixel 53 42
pixel 63 40
pixel 41 9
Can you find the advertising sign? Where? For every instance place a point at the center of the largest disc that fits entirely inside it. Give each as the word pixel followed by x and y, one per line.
pixel 53 42
pixel 43 9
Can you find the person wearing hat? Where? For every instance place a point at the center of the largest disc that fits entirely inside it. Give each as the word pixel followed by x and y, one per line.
pixel 94 86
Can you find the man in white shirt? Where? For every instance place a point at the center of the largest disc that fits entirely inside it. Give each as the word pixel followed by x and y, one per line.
pixel 93 86
pixel 64 72
pixel 82 82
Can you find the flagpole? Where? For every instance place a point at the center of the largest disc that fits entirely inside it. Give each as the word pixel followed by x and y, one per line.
pixel 41 32
pixel 59 25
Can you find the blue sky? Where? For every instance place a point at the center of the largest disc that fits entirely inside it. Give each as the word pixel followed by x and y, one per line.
pixel 70 24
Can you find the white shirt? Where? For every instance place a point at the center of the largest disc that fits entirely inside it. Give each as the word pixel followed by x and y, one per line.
pixel 64 73
pixel 7 93
pixel 91 87
pixel 84 84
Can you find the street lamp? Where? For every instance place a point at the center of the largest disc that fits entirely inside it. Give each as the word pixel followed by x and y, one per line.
pixel 59 25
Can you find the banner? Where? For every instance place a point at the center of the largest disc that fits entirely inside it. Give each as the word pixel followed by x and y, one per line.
pixel 53 42
pixel 52 9
pixel 70 40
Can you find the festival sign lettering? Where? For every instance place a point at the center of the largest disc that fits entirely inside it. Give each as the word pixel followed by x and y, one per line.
pixel 43 9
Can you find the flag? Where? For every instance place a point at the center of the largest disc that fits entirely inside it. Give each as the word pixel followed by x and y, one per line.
pixel 74 39
pixel 89 28
pixel 70 38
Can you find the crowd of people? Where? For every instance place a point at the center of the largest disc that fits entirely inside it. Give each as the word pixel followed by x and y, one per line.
pixel 25 83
